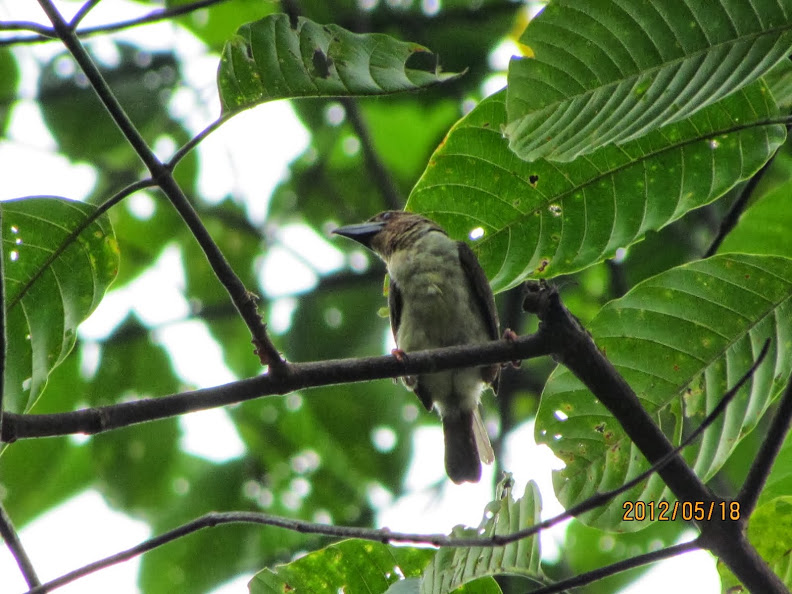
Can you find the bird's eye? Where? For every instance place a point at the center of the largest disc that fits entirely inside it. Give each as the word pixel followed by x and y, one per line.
pixel 385 216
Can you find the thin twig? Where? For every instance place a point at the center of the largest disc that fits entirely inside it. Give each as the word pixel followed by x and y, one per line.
pixel 195 140
pixel 768 452
pixel 83 12
pixel 3 343
pixel 382 177
pixel 44 32
pixel 47 34
pixel 14 545
pixel 590 577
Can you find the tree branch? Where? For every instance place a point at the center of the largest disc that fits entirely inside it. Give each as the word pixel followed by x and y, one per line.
pixel 11 539
pixel 590 577
pixel 768 452
pixel 301 375
pixel 241 297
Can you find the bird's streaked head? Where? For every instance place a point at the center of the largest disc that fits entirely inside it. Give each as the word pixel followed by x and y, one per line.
pixel 390 231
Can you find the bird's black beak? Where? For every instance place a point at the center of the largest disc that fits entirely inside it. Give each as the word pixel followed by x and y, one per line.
pixel 362 233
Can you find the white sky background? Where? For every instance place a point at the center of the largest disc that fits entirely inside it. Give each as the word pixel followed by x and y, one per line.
pixel 238 159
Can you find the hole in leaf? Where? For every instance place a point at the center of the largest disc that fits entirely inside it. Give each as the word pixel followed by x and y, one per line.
pixel 422 60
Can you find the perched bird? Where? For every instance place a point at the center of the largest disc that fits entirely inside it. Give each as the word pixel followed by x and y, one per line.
pixel 438 297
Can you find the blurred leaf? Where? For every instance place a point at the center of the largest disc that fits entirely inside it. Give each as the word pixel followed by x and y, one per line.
pixel 142 81
pixel 269 60
pixel 455 566
pixel 39 474
pixel 350 566
pixel 681 340
pixel 779 482
pixel 779 80
pixel 9 77
pixel 215 24
pixel 53 281
pixel 587 549
pixel 770 531
pixel 764 227
pixel 608 72
pixel 544 219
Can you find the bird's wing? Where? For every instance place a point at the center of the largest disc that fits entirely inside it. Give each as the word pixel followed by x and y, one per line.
pixel 395 305
pixel 480 288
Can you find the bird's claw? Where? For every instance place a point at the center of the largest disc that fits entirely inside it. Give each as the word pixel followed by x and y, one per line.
pixel 510 335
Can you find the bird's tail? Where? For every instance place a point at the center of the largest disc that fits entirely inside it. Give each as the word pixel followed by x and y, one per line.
pixel 466 443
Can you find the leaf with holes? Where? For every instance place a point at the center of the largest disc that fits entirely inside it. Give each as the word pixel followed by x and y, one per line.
pixel 453 567
pixel 59 261
pixel 680 339
pixel 269 59
pixel 611 71
pixel 543 219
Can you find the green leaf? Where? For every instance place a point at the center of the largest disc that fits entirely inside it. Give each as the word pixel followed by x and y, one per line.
pixel 9 77
pixel 764 227
pixel 770 531
pixel 454 567
pixel 779 79
pixel 349 566
pixel 58 266
pixel 610 71
pixel 544 219
pixel 681 340
pixel 269 60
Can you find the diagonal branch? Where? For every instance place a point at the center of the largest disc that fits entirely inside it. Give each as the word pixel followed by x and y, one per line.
pixel 11 538
pixel 244 300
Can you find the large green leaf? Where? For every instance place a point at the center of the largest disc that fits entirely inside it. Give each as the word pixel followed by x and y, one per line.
pixel 270 59
pixel 543 219
pixel 455 566
pixel 681 340
pixel 348 566
pixel 610 71
pixel 54 277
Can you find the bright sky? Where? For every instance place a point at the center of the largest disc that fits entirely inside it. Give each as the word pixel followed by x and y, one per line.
pixel 250 173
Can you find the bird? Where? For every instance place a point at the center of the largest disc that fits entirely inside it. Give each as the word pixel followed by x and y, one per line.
pixel 438 296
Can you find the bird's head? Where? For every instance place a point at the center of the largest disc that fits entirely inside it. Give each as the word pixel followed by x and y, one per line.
pixel 390 231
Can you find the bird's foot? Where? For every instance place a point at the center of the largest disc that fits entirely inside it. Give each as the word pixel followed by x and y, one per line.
pixel 510 335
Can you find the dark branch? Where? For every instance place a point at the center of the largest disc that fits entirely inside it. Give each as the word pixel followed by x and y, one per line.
pixel 768 452
pixel 590 577
pixel 83 12
pixel 574 348
pixel 244 301
pixel 11 538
